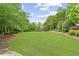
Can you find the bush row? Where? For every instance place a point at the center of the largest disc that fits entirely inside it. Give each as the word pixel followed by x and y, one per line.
pixel 74 32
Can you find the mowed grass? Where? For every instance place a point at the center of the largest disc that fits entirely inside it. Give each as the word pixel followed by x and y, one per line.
pixel 44 44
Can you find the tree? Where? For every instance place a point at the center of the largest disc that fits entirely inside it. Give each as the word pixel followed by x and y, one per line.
pixel 53 21
pixel 39 27
pixel 32 27
pixel 65 18
pixel 12 17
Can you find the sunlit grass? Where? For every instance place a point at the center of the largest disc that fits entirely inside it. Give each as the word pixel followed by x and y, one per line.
pixel 44 44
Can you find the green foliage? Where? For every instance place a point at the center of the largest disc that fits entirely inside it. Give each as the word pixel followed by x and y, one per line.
pixel 77 33
pixel 65 26
pixel 39 27
pixel 32 27
pixel 64 18
pixel 12 17
pixel 72 32
pixel 51 23
pixel 55 20
pixel 59 26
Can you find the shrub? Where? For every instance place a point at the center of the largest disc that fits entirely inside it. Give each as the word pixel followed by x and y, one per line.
pixel 59 26
pixel 7 33
pixel 72 32
pixel 65 27
pixel 77 33
pixel 76 27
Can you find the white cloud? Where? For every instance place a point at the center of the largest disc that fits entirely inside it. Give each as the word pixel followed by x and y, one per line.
pixel 44 9
pixel 42 6
pixel 54 13
pixel 55 4
pixel 31 14
pixel 50 13
pixel 42 16
pixel 45 6
pixel 48 4
pixel 37 5
pixel 22 6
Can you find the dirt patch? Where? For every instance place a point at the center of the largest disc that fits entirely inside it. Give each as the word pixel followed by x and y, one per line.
pixel 7 37
pixel 75 37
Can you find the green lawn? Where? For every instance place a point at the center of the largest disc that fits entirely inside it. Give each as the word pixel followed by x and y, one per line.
pixel 44 44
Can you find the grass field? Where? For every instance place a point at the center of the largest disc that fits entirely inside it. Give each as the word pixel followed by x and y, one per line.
pixel 44 44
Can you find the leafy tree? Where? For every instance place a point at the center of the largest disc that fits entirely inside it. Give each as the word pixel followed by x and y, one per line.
pixel 32 27
pixel 12 17
pixel 65 18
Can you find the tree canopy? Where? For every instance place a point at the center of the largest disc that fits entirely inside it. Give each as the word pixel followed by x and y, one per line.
pixel 64 18
pixel 12 17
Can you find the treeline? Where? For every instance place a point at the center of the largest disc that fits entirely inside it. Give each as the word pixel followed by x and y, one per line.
pixel 13 19
pixel 64 19
pixel 34 27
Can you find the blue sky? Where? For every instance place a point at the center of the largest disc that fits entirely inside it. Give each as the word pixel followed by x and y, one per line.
pixel 40 11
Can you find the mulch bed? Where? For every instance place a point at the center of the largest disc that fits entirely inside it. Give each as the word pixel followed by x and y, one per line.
pixel 7 37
